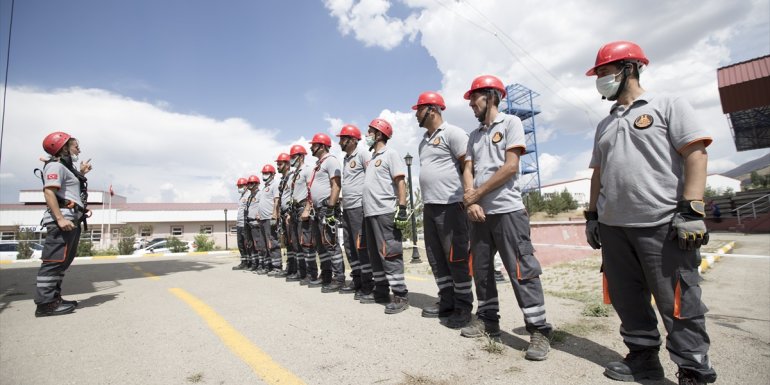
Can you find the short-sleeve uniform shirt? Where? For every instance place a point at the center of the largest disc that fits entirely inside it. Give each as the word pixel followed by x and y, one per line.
pixel 353 175
pixel 325 169
pixel 486 148
pixel 440 169
pixel 57 175
pixel 379 184
pixel 637 151
pixel 299 191
pixel 269 193
pixel 253 204
pixel 244 200
pixel 285 192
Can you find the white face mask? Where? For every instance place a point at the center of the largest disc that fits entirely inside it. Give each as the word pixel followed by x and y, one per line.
pixel 294 161
pixel 241 190
pixel 265 177
pixel 74 158
pixel 370 140
pixel 607 86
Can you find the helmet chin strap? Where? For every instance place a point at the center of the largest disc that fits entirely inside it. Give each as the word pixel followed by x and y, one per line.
pixel 625 73
pixel 425 117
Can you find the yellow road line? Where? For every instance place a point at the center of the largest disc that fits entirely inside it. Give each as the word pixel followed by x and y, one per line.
pixel 105 257
pixel 261 363
pixel 415 278
pixel 145 273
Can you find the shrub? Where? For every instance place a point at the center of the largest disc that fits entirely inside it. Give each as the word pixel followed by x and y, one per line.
pixel 85 248
pixel 175 245
pixel 126 244
pixel 204 242
pixel 24 238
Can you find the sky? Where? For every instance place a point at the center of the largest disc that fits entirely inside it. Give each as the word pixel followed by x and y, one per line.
pixel 174 100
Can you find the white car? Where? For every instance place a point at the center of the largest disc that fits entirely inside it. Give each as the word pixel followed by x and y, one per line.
pixel 161 248
pixel 9 250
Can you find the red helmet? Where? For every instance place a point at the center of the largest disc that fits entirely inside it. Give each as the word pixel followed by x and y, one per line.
pixel 253 179
pixel 297 149
pixel 617 51
pixel 268 169
pixel 430 97
pixel 350 130
pixel 242 182
pixel 283 157
pixel 382 126
pixel 485 81
pixel 54 142
pixel 321 139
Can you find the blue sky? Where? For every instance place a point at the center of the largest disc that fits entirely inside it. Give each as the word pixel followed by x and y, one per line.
pixel 174 100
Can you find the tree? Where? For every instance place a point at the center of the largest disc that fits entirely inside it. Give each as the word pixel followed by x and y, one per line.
pixel 126 243
pixel 406 231
pixel 534 202
pixel 24 237
pixel 555 204
pixel 85 248
pixel 569 201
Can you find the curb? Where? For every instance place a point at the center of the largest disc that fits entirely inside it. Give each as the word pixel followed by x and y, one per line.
pixel 709 259
pixel 104 257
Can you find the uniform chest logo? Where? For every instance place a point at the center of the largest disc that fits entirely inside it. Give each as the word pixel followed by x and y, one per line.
pixel 497 137
pixel 643 121
pixel 352 164
pixel 52 176
pixel 267 189
pixel 378 163
pixel 436 141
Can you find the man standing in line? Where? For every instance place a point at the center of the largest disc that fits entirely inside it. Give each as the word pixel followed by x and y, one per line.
pixel 499 220
pixel 442 153
pixel 252 230
pixel 268 217
pixel 302 208
pixel 353 173
pixel 648 219
pixel 282 208
pixel 384 201
pixel 324 187
pixel 239 225
pixel 291 218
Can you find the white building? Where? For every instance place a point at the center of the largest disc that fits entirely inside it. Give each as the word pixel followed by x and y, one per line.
pixel 110 216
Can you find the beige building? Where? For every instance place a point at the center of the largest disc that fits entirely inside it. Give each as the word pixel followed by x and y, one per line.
pixel 112 214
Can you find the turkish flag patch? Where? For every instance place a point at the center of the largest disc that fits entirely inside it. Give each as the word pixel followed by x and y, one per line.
pixel 52 176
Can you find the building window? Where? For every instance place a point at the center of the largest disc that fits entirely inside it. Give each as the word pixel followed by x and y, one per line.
pixel 115 232
pixel 145 231
pixel 207 229
pixel 92 235
pixel 177 231
pixel 233 230
pixel 7 235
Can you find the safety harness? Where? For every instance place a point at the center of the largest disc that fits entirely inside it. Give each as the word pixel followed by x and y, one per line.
pixel 67 203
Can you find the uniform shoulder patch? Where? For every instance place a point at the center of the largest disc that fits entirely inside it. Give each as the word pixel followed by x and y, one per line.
pixel 643 121
pixel 352 164
pixel 497 137
pixel 378 163
pixel 52 176
pixel 436 141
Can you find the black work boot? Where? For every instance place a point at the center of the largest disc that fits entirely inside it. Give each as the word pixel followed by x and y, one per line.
pixel 332 287
pixel 349 288
pixel 460 318
pixel 691 377
pixel 538 348
pixel 397 305
pixel 374 298
pixel 293 278
pixel 241 266
pixel 638 365
pixel 357 296
pixel 314 282
pixel 57 307
pixel 436 311
pixel 305 280
pixel 479 328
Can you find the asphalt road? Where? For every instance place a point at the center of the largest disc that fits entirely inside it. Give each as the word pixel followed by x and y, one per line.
pixel 191 319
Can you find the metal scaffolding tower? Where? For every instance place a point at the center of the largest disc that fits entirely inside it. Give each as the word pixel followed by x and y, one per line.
pixel 518 102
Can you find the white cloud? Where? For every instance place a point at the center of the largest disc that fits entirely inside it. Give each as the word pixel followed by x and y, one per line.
pixel 144 151
pixel 368 20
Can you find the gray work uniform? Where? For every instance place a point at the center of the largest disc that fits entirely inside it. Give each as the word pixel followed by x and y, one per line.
pixel 304 228
pixel 383 238
pixel 60 247
pixel 293 248
pixel 444 218
pixel 240 223
pixel 506 228
pixel 325 238
pixel 269 193
pixel 252 228
pixel 635 206
pixel 353 175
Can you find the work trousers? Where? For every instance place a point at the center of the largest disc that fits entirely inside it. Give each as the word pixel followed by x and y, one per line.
pixel 59 250
pixel 272 259
pixel 383 240
pixel 355 247
pixel 447 245
pixel 326 244
pixel 508 234
pixel 640 262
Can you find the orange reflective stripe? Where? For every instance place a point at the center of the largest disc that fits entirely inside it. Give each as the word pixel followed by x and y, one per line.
pixel 518 270
pixel 451 253
pixel 678 300
pixel 470 263
pixel 384 250
pixel 358 241
pixel 605 290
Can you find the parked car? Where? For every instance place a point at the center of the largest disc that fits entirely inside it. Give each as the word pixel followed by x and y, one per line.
pixel 142 243
pixel 9 250
pixel 161 248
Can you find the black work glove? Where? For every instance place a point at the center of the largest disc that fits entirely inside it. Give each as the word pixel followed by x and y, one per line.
pixel 688 226
pixel 401 216
pixel 331 216
pixel 592 229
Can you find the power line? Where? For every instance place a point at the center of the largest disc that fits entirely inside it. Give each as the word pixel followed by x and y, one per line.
pixel 5 82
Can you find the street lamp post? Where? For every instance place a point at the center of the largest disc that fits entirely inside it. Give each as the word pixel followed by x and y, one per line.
pixel 415 254
pixel 226 231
